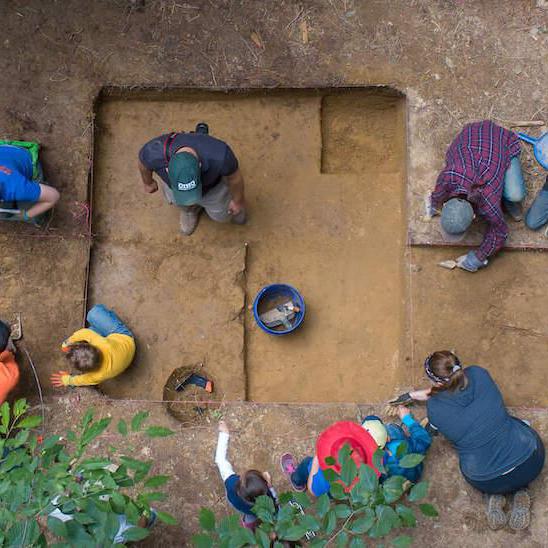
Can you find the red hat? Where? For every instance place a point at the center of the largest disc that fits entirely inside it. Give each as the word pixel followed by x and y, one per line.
pixel 332 440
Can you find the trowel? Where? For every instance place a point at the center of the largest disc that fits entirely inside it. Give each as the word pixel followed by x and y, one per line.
pixel 281 315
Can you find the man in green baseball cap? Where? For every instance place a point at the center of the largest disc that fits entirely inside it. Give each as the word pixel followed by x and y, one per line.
pixel 197 172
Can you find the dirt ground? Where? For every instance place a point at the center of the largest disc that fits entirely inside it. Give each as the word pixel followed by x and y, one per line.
pixel 455 61
pixel 301 221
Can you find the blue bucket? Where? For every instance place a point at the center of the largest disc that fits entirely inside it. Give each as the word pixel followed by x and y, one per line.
pixel 276 293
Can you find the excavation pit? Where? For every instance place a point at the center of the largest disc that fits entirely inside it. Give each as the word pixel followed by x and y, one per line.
pixel 324 173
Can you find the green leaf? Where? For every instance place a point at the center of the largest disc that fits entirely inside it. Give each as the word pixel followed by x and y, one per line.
pixel 418 491
pixel 207 519
pixel 295 533
pixel 202 541
pixel 368 478
pixel 363 523
pixel 310 523
pixel 378 461
pixel 5 414
pixel 337 491
pixel 342 540
pixel 20 408
pixel 57 527
pixel 158 432
pixel 330 475
pixel 152 496
pixel 329 522
pixel 134 464
pixel 407 515
pixel 302 498
pixel 156 481
pixel 262 539
pixel 138 419
pixel 392 488
pixel 242 537
pixel 428 510
pixel 135 533
pixel 330 461
pixel 356 542
pixel 32 421
pixel 94 464
pixel 322 505
pixel 87 418
pixel 320 543
pixel 348 466
pixel 342 511
pixel 403 541
pixel 168 519
pixel 122 427
pixel 94 430
pixel 386 520
pixel 411 460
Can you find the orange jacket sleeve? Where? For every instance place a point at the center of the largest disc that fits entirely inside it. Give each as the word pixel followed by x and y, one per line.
pixel 9 374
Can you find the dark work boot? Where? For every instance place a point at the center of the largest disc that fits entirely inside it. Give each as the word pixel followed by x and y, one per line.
pixel 202 127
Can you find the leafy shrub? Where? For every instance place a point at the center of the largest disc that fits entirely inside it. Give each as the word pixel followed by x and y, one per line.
pixel 38 476
pixel 369 510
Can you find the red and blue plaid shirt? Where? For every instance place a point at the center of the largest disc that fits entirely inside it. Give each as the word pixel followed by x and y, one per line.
pixel 475 166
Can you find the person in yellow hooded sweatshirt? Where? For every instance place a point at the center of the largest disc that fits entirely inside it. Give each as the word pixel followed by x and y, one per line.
pixel 100 352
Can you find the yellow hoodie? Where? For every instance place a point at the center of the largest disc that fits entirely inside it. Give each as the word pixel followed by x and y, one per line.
pixel 117 353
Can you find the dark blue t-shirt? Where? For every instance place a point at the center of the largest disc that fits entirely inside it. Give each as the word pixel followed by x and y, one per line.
pixel 489 441
pixel 238 502
pixel 16 184
pixel 216 158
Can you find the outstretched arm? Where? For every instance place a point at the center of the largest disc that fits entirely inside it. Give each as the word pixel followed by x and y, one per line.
pixel 225 468
pixel 236 186
pixel 149 184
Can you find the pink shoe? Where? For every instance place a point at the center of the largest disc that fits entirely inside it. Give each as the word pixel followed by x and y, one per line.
pixel 289 465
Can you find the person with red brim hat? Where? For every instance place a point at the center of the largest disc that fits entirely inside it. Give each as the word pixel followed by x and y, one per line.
pixel 363 440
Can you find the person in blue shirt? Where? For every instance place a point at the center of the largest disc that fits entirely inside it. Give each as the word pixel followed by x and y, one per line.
pixel 242 491
pixel 416 440
pixel 18 189
pixel 498 454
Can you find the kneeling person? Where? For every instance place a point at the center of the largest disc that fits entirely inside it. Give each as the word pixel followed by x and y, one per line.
pixel 197 171
pixel 100 352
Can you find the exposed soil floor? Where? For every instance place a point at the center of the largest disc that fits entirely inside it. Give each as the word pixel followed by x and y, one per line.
pixel 454 60
pixel 337 236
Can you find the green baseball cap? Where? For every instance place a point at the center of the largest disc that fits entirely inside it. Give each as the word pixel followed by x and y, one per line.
pixel 185 178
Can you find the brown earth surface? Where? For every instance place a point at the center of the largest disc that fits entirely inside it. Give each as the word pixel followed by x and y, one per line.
pixel 455 61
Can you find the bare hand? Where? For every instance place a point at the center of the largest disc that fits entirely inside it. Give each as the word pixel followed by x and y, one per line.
pixel 223 427
pixel 402 411
pixel 150 188
pixel 420 395
pixel 235 207
pixel 57 379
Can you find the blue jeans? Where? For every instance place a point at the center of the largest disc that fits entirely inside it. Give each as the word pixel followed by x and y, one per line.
pixel 106 322
pixel 537 215
pixel 514 186
pixel 300 476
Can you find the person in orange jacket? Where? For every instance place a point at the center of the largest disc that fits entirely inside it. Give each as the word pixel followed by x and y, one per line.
pixel 9 371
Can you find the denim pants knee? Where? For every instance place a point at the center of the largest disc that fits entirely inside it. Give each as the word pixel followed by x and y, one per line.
pixel 514 186
pixel 106 322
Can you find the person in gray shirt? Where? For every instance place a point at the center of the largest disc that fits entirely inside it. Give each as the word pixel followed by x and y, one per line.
pixel 196 172
pixel 498 454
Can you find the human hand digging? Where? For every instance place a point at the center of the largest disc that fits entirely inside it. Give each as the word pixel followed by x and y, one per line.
pixel 234 207
pixel 223 427
pixel 402 411
pixel 57 378
pixel 150 188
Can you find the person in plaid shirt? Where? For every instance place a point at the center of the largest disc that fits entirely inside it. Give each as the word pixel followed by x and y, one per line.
pixel 482 173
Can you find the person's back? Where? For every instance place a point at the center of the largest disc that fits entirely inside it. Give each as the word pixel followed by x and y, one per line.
pixel 475 420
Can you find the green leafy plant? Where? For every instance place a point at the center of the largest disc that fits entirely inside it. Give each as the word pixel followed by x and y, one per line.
pixel 360 508
pixel 51 490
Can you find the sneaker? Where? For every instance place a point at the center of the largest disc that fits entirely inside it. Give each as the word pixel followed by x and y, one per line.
pixel 189 219
pixel 514 209
pixel 289 465
pixel 520 516
pixel 496 516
